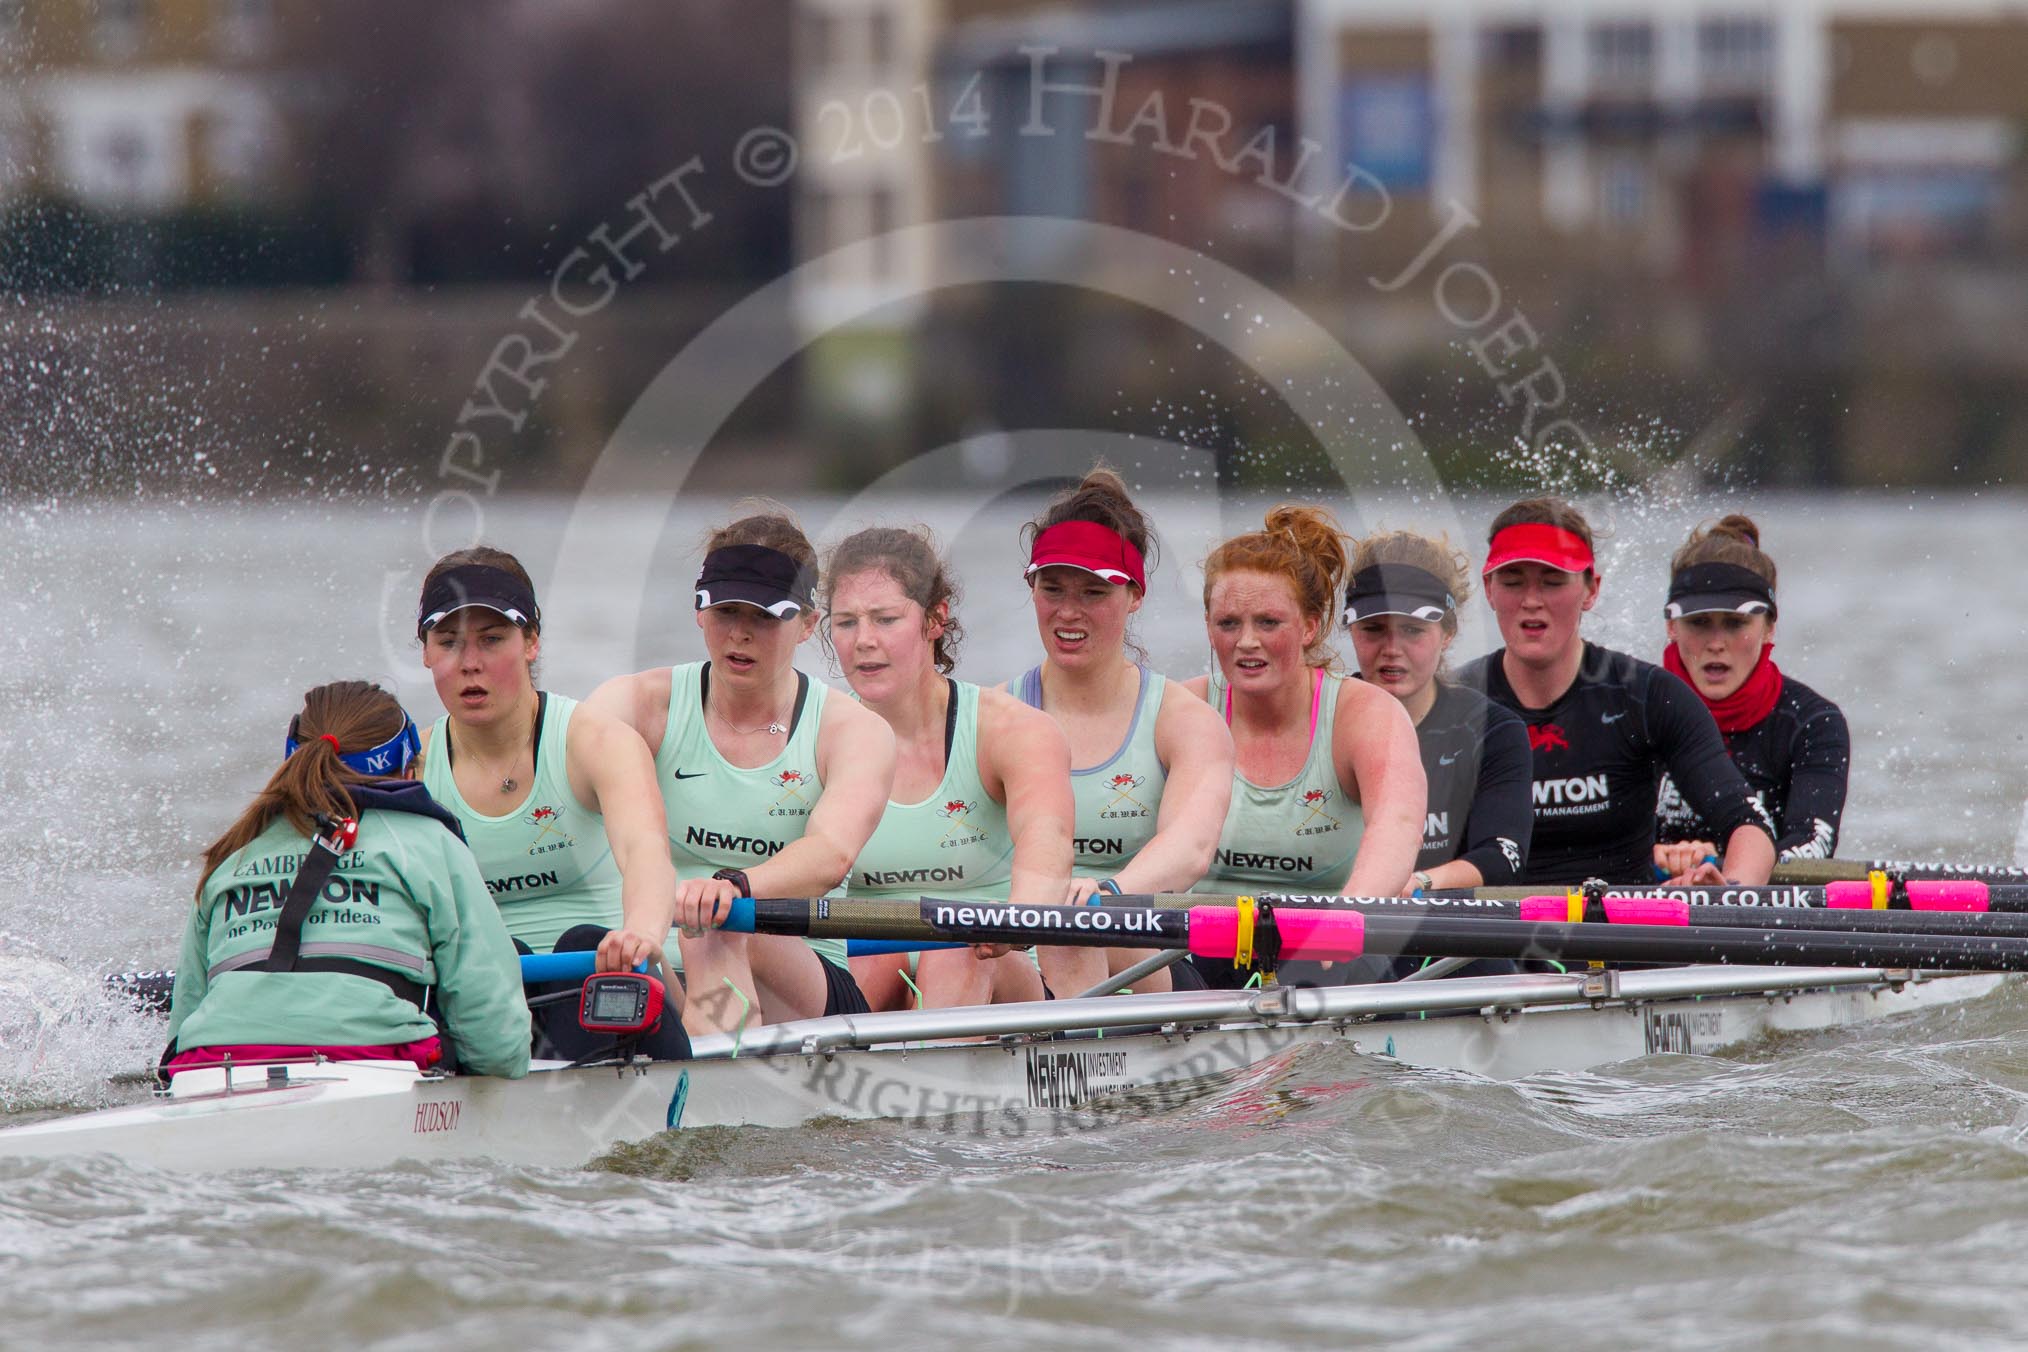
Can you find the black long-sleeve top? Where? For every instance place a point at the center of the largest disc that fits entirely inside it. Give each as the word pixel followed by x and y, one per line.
pixel 1475 753
pixel 1795 760
pixel 1599 754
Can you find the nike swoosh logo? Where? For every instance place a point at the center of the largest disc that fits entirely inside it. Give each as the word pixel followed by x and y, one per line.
pixel 694 774
pixel 1446 760
pixel 1612 718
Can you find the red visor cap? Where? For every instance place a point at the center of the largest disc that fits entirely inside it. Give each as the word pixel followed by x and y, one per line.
pixel 1096 549
pixel 1552 546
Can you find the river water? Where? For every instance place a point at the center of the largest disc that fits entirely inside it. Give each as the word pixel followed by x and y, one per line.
pixel 1867 1186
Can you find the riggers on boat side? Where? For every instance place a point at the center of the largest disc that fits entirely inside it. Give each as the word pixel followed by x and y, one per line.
pixel 1044 1071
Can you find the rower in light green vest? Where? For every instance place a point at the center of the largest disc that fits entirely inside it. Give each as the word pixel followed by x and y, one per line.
pixel 546 860
pixel 981 805
pixel 952 843
pixel 1300 835
pixel 1328 790
pixel 1118 799
pixel 722 815
pixel 769 788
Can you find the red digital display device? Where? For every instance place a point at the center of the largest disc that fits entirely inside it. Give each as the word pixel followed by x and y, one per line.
pixel 620 1003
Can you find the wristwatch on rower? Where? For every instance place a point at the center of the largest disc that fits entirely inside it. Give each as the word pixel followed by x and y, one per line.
pixel 737 877
pixel 1423 882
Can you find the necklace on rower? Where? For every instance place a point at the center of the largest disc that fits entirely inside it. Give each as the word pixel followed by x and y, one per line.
pixel 773 728
pixel 508 783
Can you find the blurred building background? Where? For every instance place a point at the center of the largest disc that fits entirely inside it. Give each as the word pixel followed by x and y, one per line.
pixel 1787 240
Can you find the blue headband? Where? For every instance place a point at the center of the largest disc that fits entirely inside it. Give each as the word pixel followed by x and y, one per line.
pixel 391 757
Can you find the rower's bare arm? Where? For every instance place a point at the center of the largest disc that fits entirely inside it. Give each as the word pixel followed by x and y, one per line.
pixel 1381 766
pixel 1197 750
pixel 855 762
pixel 612 774
pixel 1024 760
pixel 640 700
pixel 1749 857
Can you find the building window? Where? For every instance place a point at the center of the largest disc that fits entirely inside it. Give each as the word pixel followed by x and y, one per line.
pixel 246 28
pixel 1387 126
pixel 241 148
pixel 1516 48
pixel 1623 55
pixel 118 27
pixel 1626 191
pixel 1733 51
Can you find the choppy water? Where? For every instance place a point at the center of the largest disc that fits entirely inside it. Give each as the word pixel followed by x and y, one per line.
pixel 1867 1186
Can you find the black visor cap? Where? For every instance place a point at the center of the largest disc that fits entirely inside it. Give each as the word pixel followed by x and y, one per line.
pixel 476 584
pixel 1397 589
pixel 754 575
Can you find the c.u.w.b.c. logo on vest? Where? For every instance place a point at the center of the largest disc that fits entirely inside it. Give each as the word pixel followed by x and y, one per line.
pixel 796 786
pixel 1124 804
pixel 1316 821
pixel 549 833
pixel 960 831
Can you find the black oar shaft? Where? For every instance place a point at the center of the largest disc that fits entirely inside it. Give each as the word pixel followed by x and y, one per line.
pixel 1819 919
pixel 1429 934
pixel 938 920
pixel 1469 936
pixel 1820 871
pixel 2000 897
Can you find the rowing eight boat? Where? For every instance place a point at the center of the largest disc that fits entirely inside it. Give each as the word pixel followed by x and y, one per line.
pixel 1046 1067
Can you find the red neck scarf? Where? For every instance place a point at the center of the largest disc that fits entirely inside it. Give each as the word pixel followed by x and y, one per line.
pixel 1744 707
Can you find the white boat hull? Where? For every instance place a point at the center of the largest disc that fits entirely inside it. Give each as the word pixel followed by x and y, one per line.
pixel 372 1114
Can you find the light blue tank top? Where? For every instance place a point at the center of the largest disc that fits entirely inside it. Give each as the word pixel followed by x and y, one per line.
pixel 1119 799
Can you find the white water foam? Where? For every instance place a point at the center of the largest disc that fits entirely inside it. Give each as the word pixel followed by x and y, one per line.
pixel 63 1036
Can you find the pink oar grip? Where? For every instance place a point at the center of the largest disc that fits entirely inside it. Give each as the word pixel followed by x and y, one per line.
pixel 1214 931
pixel 1949 896
pixel 1321 936
pixel 1312 935
pixel 1553 909
pixel 1922 896
pixel 1647 911
pixel 1621 910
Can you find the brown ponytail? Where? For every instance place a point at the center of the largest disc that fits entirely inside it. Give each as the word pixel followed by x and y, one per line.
pixel 1101 497
pixel 763 521
pixel 1734 539
pixel 1303 544
pixel 313 780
